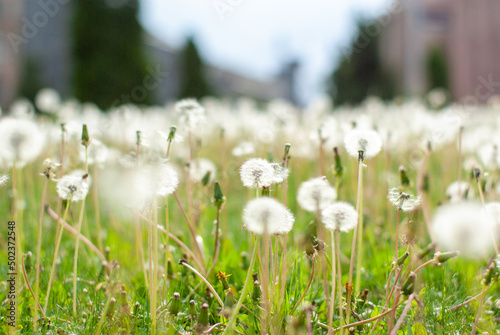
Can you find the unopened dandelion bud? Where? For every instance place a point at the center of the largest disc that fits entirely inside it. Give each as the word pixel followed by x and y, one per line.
pixel 192 308
pixel 170 269
pixel 400 261
pixel 218 195
pixel 206 178
pixel 409 285
pixel 223 279
pixel 138 137
pixel 123 297
pixel 107 251
pixel 490 274
pixel 426 250
pixel 338 168
pixel 202 322
pixel 477 173
pixel 175 304
pixel 229 301
pixel 85 136
pixel 111 308
pixel 287 150
pixel 256 291
pixel 137 306
pixel 171 134
pixel 265 191
pixel 405 181
pixel 442 257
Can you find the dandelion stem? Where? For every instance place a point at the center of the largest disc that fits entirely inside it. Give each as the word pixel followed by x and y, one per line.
pixel 37 304
pixel 478 314
pixel 471 299
pixel 97 216
pixel 75 257
pixel 39 250
pixel 339 274
pixel 397 233
pixel 151 280
pixel 56 251
pixel 210 287
pixel 403 315
pixel 244 291
pixel 334 277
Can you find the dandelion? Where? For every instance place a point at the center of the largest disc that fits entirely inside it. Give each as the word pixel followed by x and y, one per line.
pixel 72 188
pixel 459 190
pixel 267 215
pixel 50 168
pixel 243 149
pixel 339 216
pixel 403 201
pixel 316 194
pixel 21 141
pixel 463 226
pixel 365 140
pixel 48 100
pixel 200 168
pixel 280 173
pixel 192 113
pixel 3 179
pixel 257 173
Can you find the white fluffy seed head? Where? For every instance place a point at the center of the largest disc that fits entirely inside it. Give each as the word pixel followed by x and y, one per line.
pixel 72 188
pixel 3 179
pixel 316 194
pixel 280 173
pixel 365 140
pixel 339 216
pixel 257 173
pixel 243 149
pixel 463 226
pixel 403 201
pixel 459 191
pixel 192 114
pixel 48 100
pixel 21 141
pixel 267 215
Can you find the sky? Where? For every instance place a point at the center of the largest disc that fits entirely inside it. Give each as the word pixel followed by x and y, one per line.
pixel 256 37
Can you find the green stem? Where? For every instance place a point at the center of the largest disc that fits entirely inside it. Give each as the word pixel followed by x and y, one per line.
pixel 334 277
pixel 38 251
pixel 244 291
pixel 75 258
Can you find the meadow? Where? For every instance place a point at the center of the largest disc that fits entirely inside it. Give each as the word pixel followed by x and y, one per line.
pixel 220 217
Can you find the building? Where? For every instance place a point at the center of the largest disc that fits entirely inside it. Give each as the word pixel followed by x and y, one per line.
pixel 43 30
pixel 466 32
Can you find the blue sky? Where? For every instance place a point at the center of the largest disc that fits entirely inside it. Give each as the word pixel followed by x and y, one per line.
pixel 255 37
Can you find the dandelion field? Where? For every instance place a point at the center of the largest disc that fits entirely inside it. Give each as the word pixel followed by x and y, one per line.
pixel 240 218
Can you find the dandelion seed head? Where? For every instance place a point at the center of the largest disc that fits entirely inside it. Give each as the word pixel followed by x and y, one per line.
pixel 459 190
pixel 365 140
pixel 243 149
pixel 339 216
pixel 280 173
pixel 257 173
pixel 463 226
pixel 21 141
pixel 316 194
pixel 3 179
pixel 192 114
pixel 267 215
pixel 403 201
pixel 48 100
pixel 72 188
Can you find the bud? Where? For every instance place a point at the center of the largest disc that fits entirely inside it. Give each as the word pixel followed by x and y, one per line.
pixel 192 308
pixel 256 291
pixel 490 274
pixel 477 173
pixel 426 251
pixel 171 134
pixel 287 151
pixel 111 308
pixel 138 137
pixel 170 269
pixel 136 308
pixel 218 195
pixel 400 261
pixel 123 297
pixel 442 257
pixel 206 178
pixel 85 136
pixel 338 169
pixel 405 181
pixel 107 251
pixel 229 303
pixel 175 304
pixel 202 322
pixel 409 285
pixel 265 191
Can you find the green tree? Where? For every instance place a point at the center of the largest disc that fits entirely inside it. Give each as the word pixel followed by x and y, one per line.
pixel 360 72
pixel 31 80
pixel 437 69
pixel 109 60
pixel 193 73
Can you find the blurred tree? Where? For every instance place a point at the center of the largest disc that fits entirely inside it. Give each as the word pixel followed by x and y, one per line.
pixel 109 62
pixel 437 69
pixel 360 72
pixel 193 77
pixel 31 80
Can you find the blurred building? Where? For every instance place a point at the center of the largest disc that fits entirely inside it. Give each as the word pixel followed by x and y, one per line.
pixel 44 29
pixel 466 32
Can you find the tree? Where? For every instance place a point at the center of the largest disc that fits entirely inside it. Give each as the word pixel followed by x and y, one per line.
pixel 360 72
pixel 437 69
pixel 193 73
pixel 109 61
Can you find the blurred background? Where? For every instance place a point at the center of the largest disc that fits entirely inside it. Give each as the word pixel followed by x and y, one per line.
pixel 113 52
